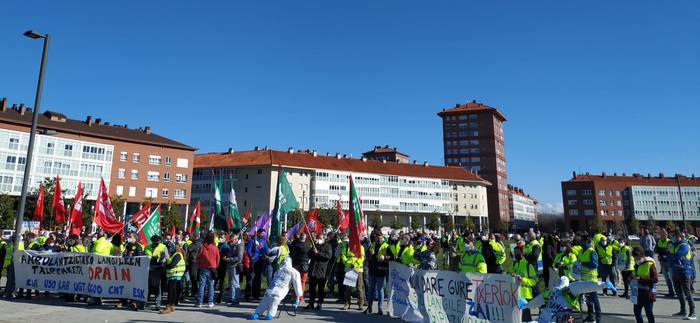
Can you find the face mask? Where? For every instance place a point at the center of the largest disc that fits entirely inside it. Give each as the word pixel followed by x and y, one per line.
pixel 131 240
pixel 50 244
pixel 603 243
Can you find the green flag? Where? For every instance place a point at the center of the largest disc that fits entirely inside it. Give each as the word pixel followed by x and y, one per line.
pixel 356 225
pixel 151 227
pixel 234 219
pixel 285 202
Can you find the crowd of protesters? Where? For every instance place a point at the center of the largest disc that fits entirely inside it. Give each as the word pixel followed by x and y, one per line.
pixel 210 268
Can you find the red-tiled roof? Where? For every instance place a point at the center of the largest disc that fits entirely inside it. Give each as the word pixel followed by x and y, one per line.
pixel 472 106
pixel 640 180
pixel 57 121
pixel 308 160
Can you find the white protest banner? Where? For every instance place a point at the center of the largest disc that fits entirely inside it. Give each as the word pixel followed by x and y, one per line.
pixel 83 273
pixel 445 296
pixel 351 278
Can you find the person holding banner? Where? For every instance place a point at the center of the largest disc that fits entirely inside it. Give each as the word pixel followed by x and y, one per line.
pixel 354 262
pixel 646 279
pixel 526 274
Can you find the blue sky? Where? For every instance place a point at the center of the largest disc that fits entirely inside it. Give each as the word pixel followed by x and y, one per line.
pixel 587 86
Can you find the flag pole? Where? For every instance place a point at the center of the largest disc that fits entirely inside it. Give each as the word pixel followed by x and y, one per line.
pixel 311 237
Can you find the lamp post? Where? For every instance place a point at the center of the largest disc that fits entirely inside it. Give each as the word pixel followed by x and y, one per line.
pixel 35 119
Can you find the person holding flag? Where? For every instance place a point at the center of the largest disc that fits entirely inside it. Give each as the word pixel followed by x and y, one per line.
pixel 353 254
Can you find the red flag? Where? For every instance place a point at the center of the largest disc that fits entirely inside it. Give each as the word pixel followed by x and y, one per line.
pixel 343 218
pixel 142 215
pixel 313 225
pixel 246 215
pixel 76 218
pixel 39 209
pixel 58 209
pixel 195 219
pixel 172 231
pixel 104 215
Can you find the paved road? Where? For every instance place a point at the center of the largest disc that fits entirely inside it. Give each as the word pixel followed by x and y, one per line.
pixel 50 309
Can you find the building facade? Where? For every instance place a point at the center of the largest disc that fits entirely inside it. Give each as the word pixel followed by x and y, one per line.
pixel 135 163
pixel 473 139
pixel 392 190
pixel 620 198
pixel 523 209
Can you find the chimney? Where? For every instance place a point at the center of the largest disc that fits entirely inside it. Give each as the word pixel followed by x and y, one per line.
pixel 315 153
pixel 290 150
pixel 383 161
pixel 328 154
pixel 257 148
pixel 231 151
pixel 624 174
pixel 88 120
pixel 603 174
pixel 147 130
pixel 265 148
pixel 21 109
pixel 364 159
pixel 648 175
pixel 574 174
pixel 425 164
pixel 614 174
pixel 99 121
pixel 337 155
pixel 29 110
pixel 3 104
pixel 661 175
pixel 415 162
pixel 107 124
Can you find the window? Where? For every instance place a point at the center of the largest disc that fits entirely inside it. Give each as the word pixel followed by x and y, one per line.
pixel 259 171
pixel 134 174
pixel 573 212
pixel 123 156
pixel 180 178
pixel 587 192
pixel 49 148
pixel 165 193
pixel 14 143
pixel 153 176
pixel 153 160
pixel 168 161
pixel 136 158
pixel 166 176
pixel 587 202
pixel 601 192
pixel 617 193
pixel 588 212
pixel 619 203
pixel 603 203
pixel 182 163
pixel 120 190
pixel 68 150
pixel 151 192
pixel 179 193
pixel 10 162
pixel 132 191
pixel 571 192
pixel 121 173
pixel 572 202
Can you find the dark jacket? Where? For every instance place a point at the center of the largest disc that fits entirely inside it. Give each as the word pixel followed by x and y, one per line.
pixel 299 252
pixel 234 257
pixel 489 256
pixel 320 260
pixel 193 251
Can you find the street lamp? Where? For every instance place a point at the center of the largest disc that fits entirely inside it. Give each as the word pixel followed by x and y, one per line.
pixel 35 119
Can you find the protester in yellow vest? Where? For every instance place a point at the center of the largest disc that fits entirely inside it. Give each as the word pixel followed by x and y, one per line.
pixel 663 249
pixel 174 270
pixel 533 251
pixel 499 251
pixel 589 272
pixel 565 260
pixel 526 274
pixel 647 278
pixel 102 246
pixel 604 249
pixel 355 262
pixel 625 264
pixel 74 244
pixel 472 261
pixel 159 255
